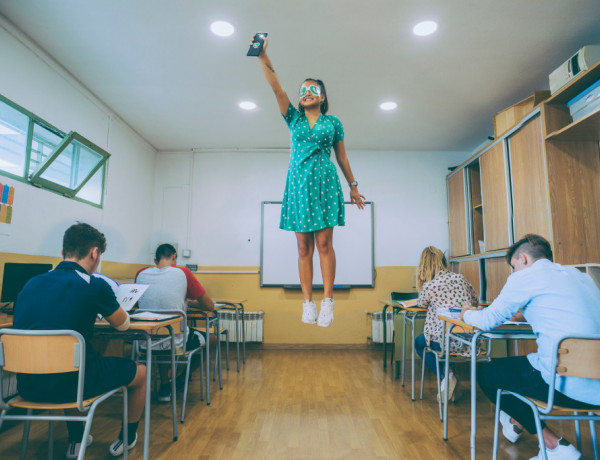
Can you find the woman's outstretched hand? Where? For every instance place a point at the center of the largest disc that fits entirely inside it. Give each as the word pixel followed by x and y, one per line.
pixel 265 44
pixel 356 198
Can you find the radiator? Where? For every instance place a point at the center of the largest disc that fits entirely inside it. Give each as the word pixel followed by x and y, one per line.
pixel 253 322
pixel 377 327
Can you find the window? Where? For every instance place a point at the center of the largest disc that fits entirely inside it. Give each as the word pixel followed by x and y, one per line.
pixel 33 151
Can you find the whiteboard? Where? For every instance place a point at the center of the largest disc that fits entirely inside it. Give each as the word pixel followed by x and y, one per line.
pixel 353 245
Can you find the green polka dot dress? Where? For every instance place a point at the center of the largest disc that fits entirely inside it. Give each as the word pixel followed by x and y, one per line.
pixel 313 197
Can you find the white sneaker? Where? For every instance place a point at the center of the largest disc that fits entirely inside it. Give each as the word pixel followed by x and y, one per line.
pixel 326 313
pixel 309 312
pixel 564 451
pixel 116 448
pixel 452 382
pixel 511 431
pixel 75 447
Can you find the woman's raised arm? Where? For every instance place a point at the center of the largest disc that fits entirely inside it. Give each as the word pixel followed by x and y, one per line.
pixel 282 98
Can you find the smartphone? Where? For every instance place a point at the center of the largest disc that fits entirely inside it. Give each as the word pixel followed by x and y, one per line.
pixel 257 44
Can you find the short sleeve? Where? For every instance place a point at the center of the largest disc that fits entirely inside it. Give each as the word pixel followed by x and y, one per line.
pixel 291 116
pixel 106 302
pixel 194 288
pixel 338 134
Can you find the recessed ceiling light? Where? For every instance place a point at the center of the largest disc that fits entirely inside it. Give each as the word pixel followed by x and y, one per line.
pixel 247 105
pixel 388 105
pixel 222 28
pixel 425 28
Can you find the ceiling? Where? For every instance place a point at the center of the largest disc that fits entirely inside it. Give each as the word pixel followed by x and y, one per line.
pixel 158 66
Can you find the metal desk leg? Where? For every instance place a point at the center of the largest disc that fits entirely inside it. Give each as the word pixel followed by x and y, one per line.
pixel 237 336
pixel 403 345
pixel 148 399
pixel 412 361
pixel 243 334
pixel 173 386
pixel 446 374
pixel 383 313
pixel 474 392
pixel 207 349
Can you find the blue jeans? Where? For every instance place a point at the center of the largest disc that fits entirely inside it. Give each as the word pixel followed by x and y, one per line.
pixel 420 344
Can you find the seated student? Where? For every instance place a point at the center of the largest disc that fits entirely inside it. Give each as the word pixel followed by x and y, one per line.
pixel 555 300
pixel 440 288
pixel 68 297
pixel 172 287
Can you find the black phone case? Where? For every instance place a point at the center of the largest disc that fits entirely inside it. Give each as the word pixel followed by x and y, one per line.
pixel 259 39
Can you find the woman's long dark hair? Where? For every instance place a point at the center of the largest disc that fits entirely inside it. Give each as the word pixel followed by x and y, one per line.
pixel 324 104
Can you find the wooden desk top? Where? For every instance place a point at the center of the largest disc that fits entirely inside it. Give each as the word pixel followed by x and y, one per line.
pixel 468 328
pixel 148 326
pixel 6 320
pixel 396 303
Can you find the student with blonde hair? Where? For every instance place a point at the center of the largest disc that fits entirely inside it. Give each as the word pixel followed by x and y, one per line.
pixel 440 288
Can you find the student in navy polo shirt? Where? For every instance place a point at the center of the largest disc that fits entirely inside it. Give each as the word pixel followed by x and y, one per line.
pixel 68 297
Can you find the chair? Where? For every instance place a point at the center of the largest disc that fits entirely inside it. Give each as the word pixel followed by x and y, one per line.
pixel 482 356
pixel 182 356
pixel 49 352
pixel 573 356
pixel 212 327
pixel 399 297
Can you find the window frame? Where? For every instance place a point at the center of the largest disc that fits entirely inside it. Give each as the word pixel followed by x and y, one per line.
pixel 35 180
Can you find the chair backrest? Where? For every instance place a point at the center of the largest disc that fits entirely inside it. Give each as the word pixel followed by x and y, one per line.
pixel 579 357
pixel 41 352
pixel 404 295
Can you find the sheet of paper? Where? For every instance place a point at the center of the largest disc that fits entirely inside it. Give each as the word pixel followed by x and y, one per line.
pixel 448 313
pixel 129 293
pixel 149 316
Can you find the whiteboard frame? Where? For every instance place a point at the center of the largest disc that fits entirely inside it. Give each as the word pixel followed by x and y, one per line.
pixel 317 286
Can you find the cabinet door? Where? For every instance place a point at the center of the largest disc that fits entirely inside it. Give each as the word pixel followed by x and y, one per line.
pixel 529 186
pixel 470 270
pixel 496 273
pixel 457 219
pixel 495 201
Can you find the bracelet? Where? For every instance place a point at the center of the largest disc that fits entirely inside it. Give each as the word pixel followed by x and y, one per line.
pixel 351 184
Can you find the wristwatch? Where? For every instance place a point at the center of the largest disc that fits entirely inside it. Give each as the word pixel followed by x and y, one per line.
pixel 353 184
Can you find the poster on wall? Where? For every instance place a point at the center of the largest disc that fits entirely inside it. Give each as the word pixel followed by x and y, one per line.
pixel 7 196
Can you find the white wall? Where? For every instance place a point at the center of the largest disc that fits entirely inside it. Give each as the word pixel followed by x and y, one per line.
pixel 34 81
pixel 209 202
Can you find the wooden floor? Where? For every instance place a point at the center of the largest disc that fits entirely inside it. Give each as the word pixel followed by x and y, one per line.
pixel 304 404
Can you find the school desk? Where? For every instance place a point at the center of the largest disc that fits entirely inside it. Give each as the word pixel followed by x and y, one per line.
pixel 147 330
pixel 237 306
pixel 470 335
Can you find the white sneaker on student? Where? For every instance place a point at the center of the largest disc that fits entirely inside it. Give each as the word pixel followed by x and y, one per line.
pixel 564 451
pixel 326 313
pixel 309 312
pixel 452 383
pixel 75 447
pixel 116 448
pixel 511 431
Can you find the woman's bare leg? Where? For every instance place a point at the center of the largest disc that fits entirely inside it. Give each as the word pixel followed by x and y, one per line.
pixel 306 249
pixel 324 241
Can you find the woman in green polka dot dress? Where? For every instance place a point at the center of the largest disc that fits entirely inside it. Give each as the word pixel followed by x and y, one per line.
pixel 313 202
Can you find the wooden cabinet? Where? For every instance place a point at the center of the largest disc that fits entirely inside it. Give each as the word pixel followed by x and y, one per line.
pixel 470 269
pixel 457 217
pixel 495 196
pixel 529 184
pixel 541 176
pixel 496 273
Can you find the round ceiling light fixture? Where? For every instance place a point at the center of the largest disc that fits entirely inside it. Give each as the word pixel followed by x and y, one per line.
pixel 247 105
pixel 388 105
pixel 425 28
pixel 222 28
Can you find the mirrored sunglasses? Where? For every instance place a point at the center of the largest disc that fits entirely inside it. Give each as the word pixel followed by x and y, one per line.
pixel 316 90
